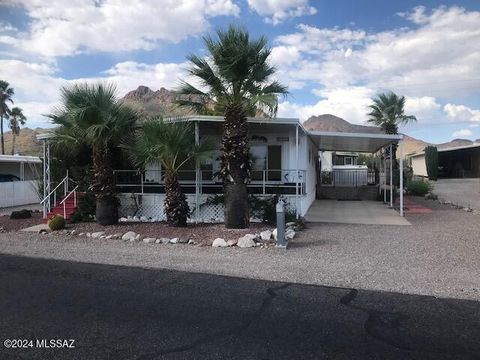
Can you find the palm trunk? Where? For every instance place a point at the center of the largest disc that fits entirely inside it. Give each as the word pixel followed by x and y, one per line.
pixel 13 143
pixel 1 134
pixel 176 205
pixel 104 186
pixel 235 168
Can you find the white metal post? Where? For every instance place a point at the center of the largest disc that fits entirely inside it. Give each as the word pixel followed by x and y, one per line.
pixel 44 179
pixel 197 174
pixel 384 176
pixel 401 178
pixel 296 175
pixel 391 177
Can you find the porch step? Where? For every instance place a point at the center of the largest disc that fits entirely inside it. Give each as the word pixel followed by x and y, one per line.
pixel 368 192
pixel 58 209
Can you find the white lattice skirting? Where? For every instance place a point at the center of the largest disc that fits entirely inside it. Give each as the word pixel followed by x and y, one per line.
pixel 150 207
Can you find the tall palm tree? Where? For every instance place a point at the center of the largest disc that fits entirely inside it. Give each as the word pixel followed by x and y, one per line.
pixel 16 119
pixel 93 115
pixel 236 76
pixel 6 94
pixel 388 112
pixel 172 144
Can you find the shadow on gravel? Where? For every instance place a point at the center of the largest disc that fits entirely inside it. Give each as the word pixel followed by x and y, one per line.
pixel 134 313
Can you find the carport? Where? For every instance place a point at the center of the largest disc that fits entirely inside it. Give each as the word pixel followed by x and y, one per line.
pixel 360 212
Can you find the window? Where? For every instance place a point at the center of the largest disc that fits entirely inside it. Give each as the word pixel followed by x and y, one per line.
pixel 348 160
pixel 266 157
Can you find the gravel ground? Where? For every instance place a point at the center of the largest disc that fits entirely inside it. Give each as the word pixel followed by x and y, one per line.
pixel 16 224
pixel 438 255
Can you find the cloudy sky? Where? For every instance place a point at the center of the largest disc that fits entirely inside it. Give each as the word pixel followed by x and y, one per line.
pixel 334 55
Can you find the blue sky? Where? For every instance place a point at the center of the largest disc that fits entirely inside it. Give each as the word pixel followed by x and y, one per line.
pixel 334 55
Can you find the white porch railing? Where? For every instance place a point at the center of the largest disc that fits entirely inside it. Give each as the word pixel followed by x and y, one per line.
pixel 348 177
pixel 16 193
pixel 264 182
pixel 61 191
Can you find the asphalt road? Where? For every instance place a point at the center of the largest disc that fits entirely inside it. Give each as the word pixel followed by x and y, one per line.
pixel 115 312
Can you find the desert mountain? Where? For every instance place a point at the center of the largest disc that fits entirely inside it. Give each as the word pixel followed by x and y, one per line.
pixel 26 143
pixel 328 122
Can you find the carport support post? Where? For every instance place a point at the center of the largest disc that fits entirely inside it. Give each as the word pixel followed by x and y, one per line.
pixel 384 176
pixel 296 175
pixel 197 175
pixel 391 177
pixel 401 178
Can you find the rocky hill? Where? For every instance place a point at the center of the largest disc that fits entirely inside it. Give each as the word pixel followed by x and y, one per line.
pixel 26 143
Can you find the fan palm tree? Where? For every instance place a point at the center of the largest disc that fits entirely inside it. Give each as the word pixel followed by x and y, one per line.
pixel 16 119
pixel 6 94
pixel 388 112
pixel 172 144
pixel 236 77
pixel 92 115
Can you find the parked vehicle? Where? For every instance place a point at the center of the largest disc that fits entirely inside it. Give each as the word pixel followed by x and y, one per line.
pixel 8 178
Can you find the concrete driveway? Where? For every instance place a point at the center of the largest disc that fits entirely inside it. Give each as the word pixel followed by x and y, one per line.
pixel 353 212
pixel 463 192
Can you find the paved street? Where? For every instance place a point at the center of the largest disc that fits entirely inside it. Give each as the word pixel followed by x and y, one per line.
pixel 116 312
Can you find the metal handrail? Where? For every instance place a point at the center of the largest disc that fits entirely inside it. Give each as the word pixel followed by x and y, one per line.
pixel 74 192
pixel 56 187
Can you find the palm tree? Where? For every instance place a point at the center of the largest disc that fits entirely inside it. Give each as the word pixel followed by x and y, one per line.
pixel 16 119
pixel 172 144
pixel 388 112
pixel 93 115
pixel 236 78
pixel 6 94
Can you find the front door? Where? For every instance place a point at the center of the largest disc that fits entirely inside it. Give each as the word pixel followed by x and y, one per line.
pixel 274 162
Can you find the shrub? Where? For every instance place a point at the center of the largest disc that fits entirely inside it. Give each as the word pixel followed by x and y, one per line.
pixel 431 162
pixel 419 187
pixel 21 214
pixel 265 210
pixel 85 210
pixel 57 222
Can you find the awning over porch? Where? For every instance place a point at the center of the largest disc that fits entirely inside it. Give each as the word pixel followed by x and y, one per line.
pixel 356 142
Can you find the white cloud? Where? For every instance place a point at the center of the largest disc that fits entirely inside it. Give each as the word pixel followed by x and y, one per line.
pixel 350 104
pixel 60 28
pixel 277 11
pixel 461 113
pixel 462 133
pixel 37 85
pixel 425 107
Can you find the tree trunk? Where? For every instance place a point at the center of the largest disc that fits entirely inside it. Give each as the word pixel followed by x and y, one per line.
pixel 235 167
pixel 107 211
pixel 176 205
pixel 104 186
pixel 13 142
pixel 1 134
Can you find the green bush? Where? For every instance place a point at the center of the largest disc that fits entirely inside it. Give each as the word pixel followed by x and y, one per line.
pixel 264 209
pixel 85 211
pixel 419 187
pixel 57 222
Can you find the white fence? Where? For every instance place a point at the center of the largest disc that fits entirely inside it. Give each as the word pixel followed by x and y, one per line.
pixel 16 193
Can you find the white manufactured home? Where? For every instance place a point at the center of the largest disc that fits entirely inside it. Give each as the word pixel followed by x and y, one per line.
pixel 285 162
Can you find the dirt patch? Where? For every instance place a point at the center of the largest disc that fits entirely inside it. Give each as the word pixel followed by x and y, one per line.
pixel 201 233
pixel 18 224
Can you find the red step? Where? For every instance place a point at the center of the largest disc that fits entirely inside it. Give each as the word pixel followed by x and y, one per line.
pixel 59 210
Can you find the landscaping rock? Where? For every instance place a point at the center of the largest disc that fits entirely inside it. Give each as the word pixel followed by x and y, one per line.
pixel 129 236
pixel 2 229
pixel 108 237
pixel 72 232
pixel 290 224
pixel 467 209
pixel 246 241
pixel 219 242
pixel 21 214
pixel 97 234
pixel 266 235
pixel 81 234
pixel 143 219
pixel 290 234
pixel 164 240
pixel 182 241
pixel 232 242
pixel 122 219
pixel 191 242
pixel 117 236
pixel 137 238
pixel 174 241
pixel 274 234
pixel 89 234
pixel 149 240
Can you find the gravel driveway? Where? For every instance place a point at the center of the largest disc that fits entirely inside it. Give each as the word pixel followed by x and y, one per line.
pixel 438 255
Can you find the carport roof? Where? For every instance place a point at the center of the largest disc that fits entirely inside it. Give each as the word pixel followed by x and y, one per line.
pixel 357 142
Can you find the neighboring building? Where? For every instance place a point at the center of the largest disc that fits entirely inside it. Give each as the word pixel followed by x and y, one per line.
pixel 453 162
pixel 19 180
